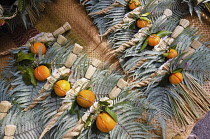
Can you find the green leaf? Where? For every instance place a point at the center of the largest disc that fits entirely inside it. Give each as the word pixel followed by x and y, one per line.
pixel 173 47
pixel 28 77
pixel 22 56
pixel 144 45
pixel 73 106
pixel 163 33
pixel 103 103
pixel 89 119
pixel 178 70
pixel 145 14
pixel 164 81
pixel 89 88
pixel 145 18
pixel 165 54
pixel 111 113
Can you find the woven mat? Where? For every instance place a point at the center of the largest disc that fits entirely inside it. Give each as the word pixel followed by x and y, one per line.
pixel 85 33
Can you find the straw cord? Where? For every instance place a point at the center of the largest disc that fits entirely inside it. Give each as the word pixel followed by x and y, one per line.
pixel 107 9
pixel 8 52
pixel 166 42
pixel 160 71
pixel 75 131
pixel 128 18
pixel 146 81
pixel 79 85
pixel 83 3
pixel 137 37
pixel 61 110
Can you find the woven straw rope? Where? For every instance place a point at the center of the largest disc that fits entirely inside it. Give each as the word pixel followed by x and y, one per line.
pixel 86 34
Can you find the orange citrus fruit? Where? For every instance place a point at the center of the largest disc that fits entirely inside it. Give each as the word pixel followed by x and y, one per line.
pixel 61 87
pixel 85 98
pixel 2 22
pixel 141 23
pixel 133 4
pixel 41 73
pixel 172 53
pixel 176 78
pixel 153 40
pixel 105 122
pixel 36 47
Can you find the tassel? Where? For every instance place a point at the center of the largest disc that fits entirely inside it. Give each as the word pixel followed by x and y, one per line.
pixel 106 10
pixel 48 37
pixel 4 108
pixel 9 131
pixel 92 68
pixel 61 30
pixel 191 49
pixel 178 30
pixel 73 55
pixel 117 89
pixel 166 14
pixel 60 41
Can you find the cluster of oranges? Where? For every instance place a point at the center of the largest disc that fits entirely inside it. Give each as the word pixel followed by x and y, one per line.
pixel 42 72
pixel 104 121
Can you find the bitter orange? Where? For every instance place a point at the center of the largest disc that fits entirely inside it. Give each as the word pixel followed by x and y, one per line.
pixel 141 23
pixel 133 4
pixel 153 40
pixel 61 87
pixel 85 98
pixel 176 78
pixel 105 122
pixel 172 53
pixel 41 73
pixel 36 47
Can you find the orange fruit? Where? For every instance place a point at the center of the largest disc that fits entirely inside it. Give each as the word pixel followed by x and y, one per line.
pixel 176 78
pixel 153 40
pixel 61 87
pixel 172 53
pixel 141 23
pixel 35 48
pixel 85 98
pixel 105 122
pixel 2 22
pixel 133 4
pixel 41 73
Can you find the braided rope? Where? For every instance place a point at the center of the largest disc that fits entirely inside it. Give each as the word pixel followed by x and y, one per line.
pixel 61 110
pixel 146 81
pixel 74 131
pixel 112 28
pixel 7 52
pixel 139 63
pixel 85 2
pixel 142 33
pixel 106 10
pixel 38 99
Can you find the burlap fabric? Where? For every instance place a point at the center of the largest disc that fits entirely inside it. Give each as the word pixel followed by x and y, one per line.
pixel 86 34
